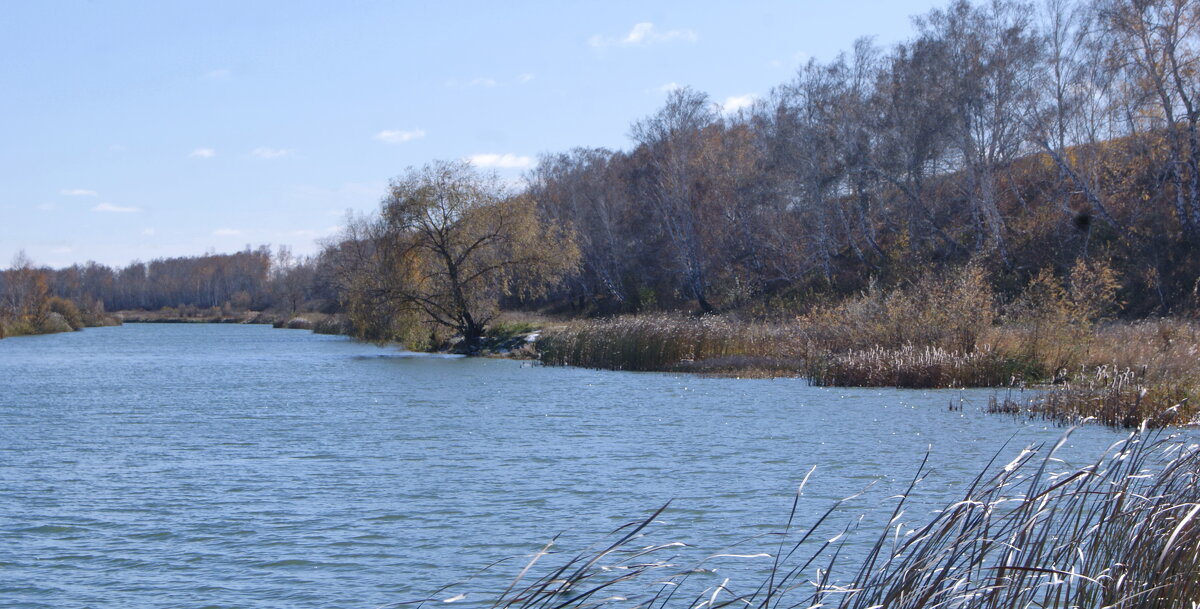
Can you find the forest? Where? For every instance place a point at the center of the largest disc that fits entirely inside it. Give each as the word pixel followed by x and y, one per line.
pixel 1048 151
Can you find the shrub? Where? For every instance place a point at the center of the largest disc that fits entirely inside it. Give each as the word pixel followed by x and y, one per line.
pixel 68 311
pixel 949 314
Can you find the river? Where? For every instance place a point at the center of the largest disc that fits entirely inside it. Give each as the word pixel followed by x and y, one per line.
pixel 173 465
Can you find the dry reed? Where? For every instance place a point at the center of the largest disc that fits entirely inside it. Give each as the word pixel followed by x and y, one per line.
pixel 1122 532
pixel 912 367
pixel 1112 396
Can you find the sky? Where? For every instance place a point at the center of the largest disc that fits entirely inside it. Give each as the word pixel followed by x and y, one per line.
pixel 143 130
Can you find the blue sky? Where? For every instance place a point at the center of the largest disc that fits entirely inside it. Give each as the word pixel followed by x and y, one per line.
pixel 139 130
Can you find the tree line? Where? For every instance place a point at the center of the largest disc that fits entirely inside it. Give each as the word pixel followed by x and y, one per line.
pixel 253 279
pixel 1020 135
pixel 1021 138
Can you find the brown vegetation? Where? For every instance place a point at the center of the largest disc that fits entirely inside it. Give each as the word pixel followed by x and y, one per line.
pixel 936 333
pixel 448 244
pixel 27 305
pixel 1119 532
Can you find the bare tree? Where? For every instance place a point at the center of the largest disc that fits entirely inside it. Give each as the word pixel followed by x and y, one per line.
pixel 989 62
pixel 583 191
pixel 673 141
pixel 1158 42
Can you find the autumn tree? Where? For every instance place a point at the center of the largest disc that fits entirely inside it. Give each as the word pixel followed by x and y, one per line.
pixel 672 142
pixel 1156 44
pixel 450 242
pixel 582 191
pixel 26 294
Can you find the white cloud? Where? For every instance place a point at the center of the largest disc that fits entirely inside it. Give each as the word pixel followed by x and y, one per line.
pixel 149 232
pixel 733 104
pixel 667 88
pixel 270 153
pixel 505 161
pixel 115 209
pixel 226 232
pixel 219 74
pixel 203 153
pixel 77 192
pixel 642 34
pixel 399 136
pixel 524 78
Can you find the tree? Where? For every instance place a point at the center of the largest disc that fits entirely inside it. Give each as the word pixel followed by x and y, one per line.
pixel 450 242
pixel 582 190
pixel 1160 50
pixel 989 58
pixel 26 294
pixel 672 140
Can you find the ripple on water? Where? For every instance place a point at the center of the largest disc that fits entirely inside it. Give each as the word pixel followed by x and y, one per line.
pixel 231 466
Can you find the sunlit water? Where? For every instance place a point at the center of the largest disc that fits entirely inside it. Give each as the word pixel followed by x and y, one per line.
pixel 242 466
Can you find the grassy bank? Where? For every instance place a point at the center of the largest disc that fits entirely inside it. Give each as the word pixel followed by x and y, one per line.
pixel 196 315
pixel 1119 373
pixel 1119 532
pixel 939 332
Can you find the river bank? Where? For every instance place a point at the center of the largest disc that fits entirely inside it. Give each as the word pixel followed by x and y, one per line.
pixel 59 319
pixel 1120 373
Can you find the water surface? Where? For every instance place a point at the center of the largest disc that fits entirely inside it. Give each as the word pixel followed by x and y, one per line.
pixel 162 465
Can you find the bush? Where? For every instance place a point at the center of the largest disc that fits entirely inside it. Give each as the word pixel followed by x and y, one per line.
pixel 948 314
pixel 69 312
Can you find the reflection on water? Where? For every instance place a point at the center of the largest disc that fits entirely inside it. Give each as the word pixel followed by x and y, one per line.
pixel 192 465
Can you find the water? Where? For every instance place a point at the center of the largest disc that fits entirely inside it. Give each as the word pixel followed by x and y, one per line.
pixel 236 466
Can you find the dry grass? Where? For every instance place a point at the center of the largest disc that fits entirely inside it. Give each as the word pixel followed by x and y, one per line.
pixel 932 335
pixel 1114 397
pixel 1120 375
pixel 1122 532
pixel 912 367
pixel 665 343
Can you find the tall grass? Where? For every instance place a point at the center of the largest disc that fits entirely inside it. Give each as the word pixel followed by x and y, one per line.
pixel 1122 532
pixel 912 367
pixel 666 342
pixel 939 332
pixel 905 327
pixel 1112 396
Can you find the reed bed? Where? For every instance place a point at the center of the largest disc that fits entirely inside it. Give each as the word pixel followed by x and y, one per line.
pixel 1112 396
pixel 912 367
pixel 666 343
pixel 1119 374
pixel 1122 532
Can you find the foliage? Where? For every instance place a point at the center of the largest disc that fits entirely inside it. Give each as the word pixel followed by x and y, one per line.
pixel 448 245
pixel 948 313
pixel 1051 322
